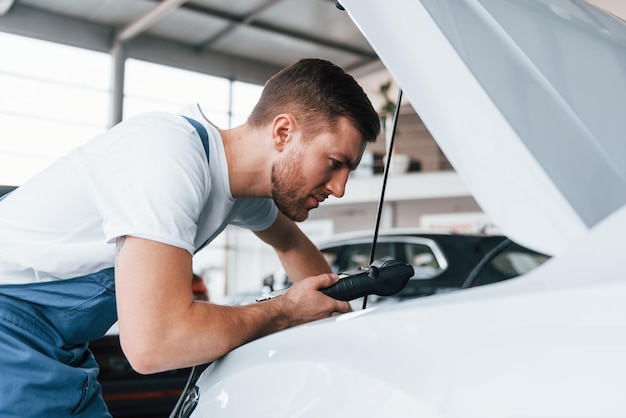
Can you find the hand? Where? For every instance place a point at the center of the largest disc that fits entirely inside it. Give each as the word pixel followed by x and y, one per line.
pixel 303 302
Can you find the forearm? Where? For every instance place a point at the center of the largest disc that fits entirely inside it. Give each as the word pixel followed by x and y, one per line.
pixel 201 334
pixel 205 332
pixel 163 328
pixel 298 255
pixel 303 261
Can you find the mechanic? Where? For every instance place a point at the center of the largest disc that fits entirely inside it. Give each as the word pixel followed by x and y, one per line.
pixel 107 233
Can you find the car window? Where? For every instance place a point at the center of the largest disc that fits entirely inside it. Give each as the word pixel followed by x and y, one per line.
pixel 512 262
pixel 516 262
pixel 332 255
pixel 352 256
pixel 357 255
pixel 420 255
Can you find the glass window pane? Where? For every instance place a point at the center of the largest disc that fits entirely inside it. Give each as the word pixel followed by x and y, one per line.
pixel 420 255
pixel 33 58
pixel 52 98
pixel 153 87
pixel 513 263
pixel 53 101
pixel 358 255
pixel 245 97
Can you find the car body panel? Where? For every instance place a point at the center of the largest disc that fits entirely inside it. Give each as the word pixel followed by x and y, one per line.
pixel 506 89
pixel 536 346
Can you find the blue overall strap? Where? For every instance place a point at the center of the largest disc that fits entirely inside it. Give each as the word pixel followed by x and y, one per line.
pixel 205 143
pixel 204 136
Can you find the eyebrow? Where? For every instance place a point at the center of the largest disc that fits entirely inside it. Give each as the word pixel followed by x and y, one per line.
pixel 348 162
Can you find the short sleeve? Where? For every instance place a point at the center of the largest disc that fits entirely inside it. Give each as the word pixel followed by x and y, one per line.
pixel 256 214
pixel 149 177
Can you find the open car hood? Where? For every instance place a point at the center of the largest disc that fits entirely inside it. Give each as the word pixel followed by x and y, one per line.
pixel 527 99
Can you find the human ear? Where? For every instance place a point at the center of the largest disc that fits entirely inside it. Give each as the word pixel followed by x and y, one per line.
pixel 283 126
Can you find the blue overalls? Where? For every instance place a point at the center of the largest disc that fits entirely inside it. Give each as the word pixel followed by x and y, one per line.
pixel 46 368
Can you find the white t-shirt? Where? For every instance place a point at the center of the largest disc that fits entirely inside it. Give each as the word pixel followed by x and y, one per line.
pixel 147 177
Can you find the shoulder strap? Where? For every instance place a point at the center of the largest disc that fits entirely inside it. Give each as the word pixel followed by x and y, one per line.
pixel 204 136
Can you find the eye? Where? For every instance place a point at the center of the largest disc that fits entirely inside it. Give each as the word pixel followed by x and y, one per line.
pixel 336 163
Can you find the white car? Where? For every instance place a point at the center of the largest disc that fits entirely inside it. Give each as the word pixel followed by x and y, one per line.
pixel 527 99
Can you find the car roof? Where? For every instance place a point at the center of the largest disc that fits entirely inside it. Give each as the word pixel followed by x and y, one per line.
pixel 367 235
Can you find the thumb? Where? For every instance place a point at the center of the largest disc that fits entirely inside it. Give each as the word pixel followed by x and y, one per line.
pixel 326 280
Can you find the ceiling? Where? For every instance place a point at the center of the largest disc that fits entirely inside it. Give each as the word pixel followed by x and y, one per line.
pixel 246 40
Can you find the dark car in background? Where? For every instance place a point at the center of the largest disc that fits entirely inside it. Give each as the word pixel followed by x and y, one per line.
pixel 443 261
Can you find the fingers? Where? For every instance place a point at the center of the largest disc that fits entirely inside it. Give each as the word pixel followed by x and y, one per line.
pixel 306 303
pixel 327 280
pixel 342 307
pixel 324 280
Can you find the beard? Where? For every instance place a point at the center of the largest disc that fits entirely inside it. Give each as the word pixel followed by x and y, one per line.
pixel 287 184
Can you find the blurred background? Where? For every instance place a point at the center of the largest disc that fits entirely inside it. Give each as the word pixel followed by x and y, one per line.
pixel 70 70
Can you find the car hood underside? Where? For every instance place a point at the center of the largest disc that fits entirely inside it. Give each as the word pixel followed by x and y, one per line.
pixel 524 98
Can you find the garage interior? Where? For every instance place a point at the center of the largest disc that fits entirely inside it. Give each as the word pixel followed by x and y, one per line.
pixel 248 41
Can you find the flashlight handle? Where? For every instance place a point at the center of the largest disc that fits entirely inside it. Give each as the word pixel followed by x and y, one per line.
pixel 385 277
pixel 350 287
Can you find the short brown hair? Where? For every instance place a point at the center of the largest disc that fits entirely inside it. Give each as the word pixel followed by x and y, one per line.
pixel 317 93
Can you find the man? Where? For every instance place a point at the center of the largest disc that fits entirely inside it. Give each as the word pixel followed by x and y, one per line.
pixel 108 233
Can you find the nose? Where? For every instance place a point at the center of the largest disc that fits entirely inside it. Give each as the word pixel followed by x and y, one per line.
pixel 336 186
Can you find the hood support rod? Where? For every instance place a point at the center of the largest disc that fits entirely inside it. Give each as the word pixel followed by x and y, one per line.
pixel 381 200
